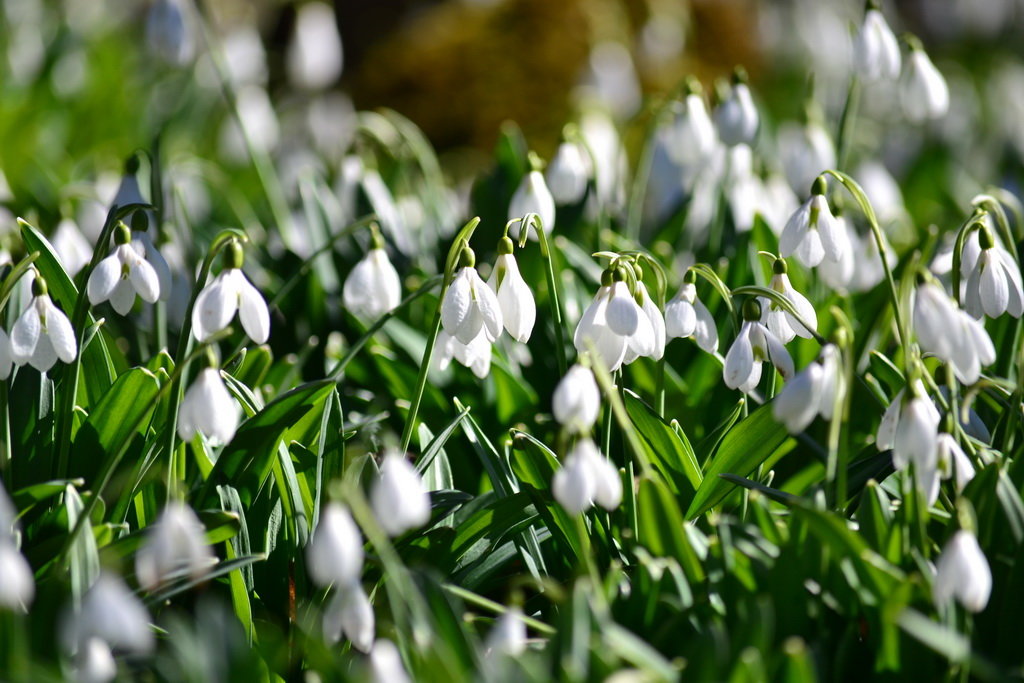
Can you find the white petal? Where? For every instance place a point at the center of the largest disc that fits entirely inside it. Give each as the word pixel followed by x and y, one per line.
pixel 653 313
pixel 5 371
pixel 739 361
pixel 777 354
pixel 486 303
pixel 795 231
pixel 457 306
pixel 214 308
pixel 145 281
pixel 623 314
pixel 574 485
pixel 123 297
pixel 680 319
pixel 992 287
pixel 103 279
pixel 797 403
pixel 60 333
pixel 252 310
pixel 810 252
pixel 25 334
pixel 706 332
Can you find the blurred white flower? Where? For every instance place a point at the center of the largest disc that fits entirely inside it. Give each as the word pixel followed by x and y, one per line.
pixel 42 333
pixel 692 132
pixel 335 551
pixel 962 572
pixel 17 586
pixel 373 287
pixel 315 54
pixel 94 662
pixel 386 664
pixel 950 333
pixel 568 173
pixel 611 78
pixel 736 115
pixel 754 344
pixel 122 275
pixel 518 308
pixel 779 320
pixel 994 283
pixel 812 233
pixel 73 249
pixel 175 546
pixel 476 355
pixel 811 392
pixel 532 196
pixel 577 400
pixel 399 498
pixel 876 51
pixel 953 462
pixel 226 294
pixel 805 151
pixel 470 306
pixel 687 316
pixel 208 408
pixel 586 478
pixel 916 435
pixel 508 635
pixel 111 613
pixel 350 613
pixel 260 127
pixel 169 32
pixel 923 90
pixel 649 338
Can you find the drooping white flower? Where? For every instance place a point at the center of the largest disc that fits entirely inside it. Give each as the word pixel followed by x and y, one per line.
pixel 169 32
pixel 508 635
pixel 994 283
pixel 373 287
pixel 350 613
pixel 687 316
pixel 736 115
pixel 916 435
pixel 476 355
pixel 951 334
pixel 470 306
pixel 143 244
pixel 335 551
pixel 122 275
pixel 314 55
pixel 42 333
pixel 651 311
pixel 586 478
pixel 399 498
pixel 779 320
pixel 17 586
pixel 94 662
pixel 73 249
pixel 876 50
pixel 962 572
pixel 577 400
pixel 533 196
pixel 226 294
pixel 175 546
pixel 754 344
pixel 805 151
pixel 518 308
pixel 812 233
pixel 953 462
pixel 811 392
pixel 692 134
pixel 568 173
pixel 386 663
pixel 209 409
pixel 607 322
pixel 111 613
pixel 923 90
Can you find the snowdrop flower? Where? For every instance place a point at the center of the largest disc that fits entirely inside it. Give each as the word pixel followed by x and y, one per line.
pixel 994 283
pixel 533 196
pixel 692 134
pixel 399 499
pixel 687 316
pixel 586 478
pixel 122 275
pixel 168 32
pixel 128 193
pixel 950 333
pixel 612 321
pixel 916 435
pixel 508 635
pixel 335 551
pixel 42 333
pixel 840 274
pixel 476 355
pixel 315 55
pixel 111 613
pixel 208 408
pixel 176 545
pixel 811 392
pixel 805 151
pixel 649 338
pixel 386 664
pixel 754 344
pixel 962 572
pixel 94 662
pixel 812 233
pixel 577 400
pixel 18 588
pixel 73 249
pixel 350 613
pixel 782 323
pixel 518 308
pixel 469 305
pixel 373 287
pixel 953 462
pixel 924 92
pixel 736 115
pixel 567 174
pixel 876 50
pixel 226 294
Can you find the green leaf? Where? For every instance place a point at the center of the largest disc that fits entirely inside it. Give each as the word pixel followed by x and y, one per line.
pixel 743 449
pixel 668 449
pixel 84 557
pixel 662 529
pixel 183 584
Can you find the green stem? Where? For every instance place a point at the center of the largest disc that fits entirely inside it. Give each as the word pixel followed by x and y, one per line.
pixel 553 301
pixel 847 121
pixel 497 608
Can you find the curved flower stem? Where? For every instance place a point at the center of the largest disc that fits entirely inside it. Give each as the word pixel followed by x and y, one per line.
pixel 991 204
pixel 461 240
pixel 709 274
pixel 836 462
pixel 973 222
pixel 782 302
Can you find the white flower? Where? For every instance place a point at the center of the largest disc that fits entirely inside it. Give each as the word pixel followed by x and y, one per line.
pixel 518 308
pixel 42 333
pixel 805 151
pixel 587 477
pixel 400 501
pixel 111 613
pixel 470 306
pixel 577 400
pixel 962 572
pixel 811 392
pixel 508 635
pixel 73 249
pixel 373 287
pixel 122 275
pixel 175 546
pixel 993 283
pixel 924 92
pixel 94 662
pixel 386 664
pixel 226 294
pixel 350 613
pixel 595 328
pixel 476 355
pixel 568 173
pixel 916 435
pixel 812 232
pixel 950 333
pixel 652 344
pixel 777 319
pixel 143 243
pixel 168 32
pixel 693 134
pixel 736 116
pixel 754 344
pixel 335 551
pixel 314 55
pixel 17 586
pixel 953 462
pixel 533 196
pixel 208 408
pixel 876 50
pixel 687 316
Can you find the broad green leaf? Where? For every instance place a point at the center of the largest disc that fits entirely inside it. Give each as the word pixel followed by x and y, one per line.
pixel 667 449
pixel 662 528
pixel 84 557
